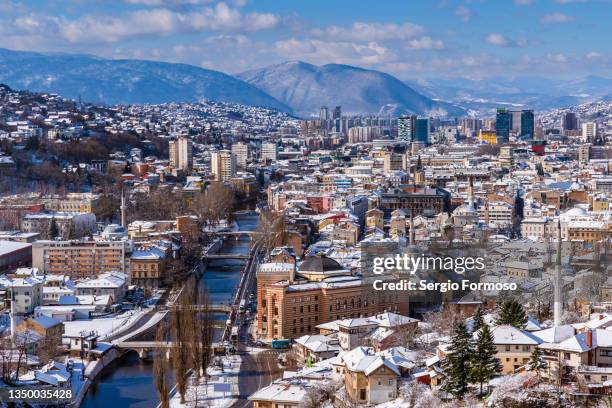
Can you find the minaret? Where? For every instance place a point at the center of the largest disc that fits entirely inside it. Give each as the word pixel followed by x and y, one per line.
pixel 122 206
pixel 12 317
pixel 411 239
pixel 471 194
pixel 558 305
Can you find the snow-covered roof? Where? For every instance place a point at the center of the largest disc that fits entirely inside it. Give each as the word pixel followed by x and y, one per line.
pixel 506 334
pixel 280 392
pixel 580 342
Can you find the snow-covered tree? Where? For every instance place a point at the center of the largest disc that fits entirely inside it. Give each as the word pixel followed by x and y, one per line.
pixel 478 319
pixel 457 362
pixel 536 362
pixel 484 365
pixel 417 395
pixel 511 312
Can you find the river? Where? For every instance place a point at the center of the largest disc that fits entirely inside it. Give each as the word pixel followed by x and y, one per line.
pixel 128 381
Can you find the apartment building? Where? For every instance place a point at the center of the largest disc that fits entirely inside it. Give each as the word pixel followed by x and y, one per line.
pixel 181 153
pixel 223 165
pixel 241 151
pixel 81 258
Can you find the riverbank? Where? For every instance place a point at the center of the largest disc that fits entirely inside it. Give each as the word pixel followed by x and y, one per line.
pixel 91 371
pixel 203 392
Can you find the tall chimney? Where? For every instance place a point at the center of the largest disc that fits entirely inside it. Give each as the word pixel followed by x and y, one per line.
pixel 589 338
pixel 558 305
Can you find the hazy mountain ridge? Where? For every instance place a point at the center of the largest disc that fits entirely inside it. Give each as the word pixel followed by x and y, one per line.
pixel 96 79
pixel 526 92
pixel 305 87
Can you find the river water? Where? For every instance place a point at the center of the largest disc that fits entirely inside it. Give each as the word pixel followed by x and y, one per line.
pixel 128 381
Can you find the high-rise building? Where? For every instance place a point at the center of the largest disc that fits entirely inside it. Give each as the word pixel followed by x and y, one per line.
pixel 363 134
pixel 223 165
pixel 337 114
pixel 268 152
pixel 502 125
pixel 570 121
pixel 421 133
pixel 527 124
pixel 471 126
pixel 323 113
pixel 180 152
pixel 406 127
pixel 241 151
pixel 589 131
pixel 515 121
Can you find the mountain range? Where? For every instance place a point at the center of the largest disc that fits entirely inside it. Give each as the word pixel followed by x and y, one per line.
pixel 295 87
pixel 125 81
pixel 538 93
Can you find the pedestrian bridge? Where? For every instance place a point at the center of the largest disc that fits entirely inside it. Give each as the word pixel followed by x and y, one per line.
pixel 208 308
pixel 225 256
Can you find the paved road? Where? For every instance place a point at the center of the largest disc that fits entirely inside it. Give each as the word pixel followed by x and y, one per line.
pixel 256 371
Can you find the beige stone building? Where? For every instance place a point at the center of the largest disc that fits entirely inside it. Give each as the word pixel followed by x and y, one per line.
pixel 293 301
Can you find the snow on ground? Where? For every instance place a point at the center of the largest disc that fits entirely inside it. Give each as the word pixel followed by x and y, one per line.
pixel 203 395
pixel 104 326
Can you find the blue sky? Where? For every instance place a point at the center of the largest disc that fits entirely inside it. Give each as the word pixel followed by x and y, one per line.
pixel 410 39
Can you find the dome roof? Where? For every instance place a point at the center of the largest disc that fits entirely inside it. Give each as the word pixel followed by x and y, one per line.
pixel 320 264
pixel 576 211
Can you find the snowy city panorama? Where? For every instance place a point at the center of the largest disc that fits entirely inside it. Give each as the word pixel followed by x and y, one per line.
pixel 267 204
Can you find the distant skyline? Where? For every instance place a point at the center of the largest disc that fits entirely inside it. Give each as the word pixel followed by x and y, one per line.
pixel 410 39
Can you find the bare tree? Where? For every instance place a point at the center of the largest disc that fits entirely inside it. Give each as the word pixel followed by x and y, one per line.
pixel 273 228
pixel 206 333
pixel 319 394
pixel 180 354
pixel 160 368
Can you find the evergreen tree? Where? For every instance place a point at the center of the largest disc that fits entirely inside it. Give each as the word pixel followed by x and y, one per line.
pixel 484 364
pixel 536 361
pixel 478 319
pixel 511 312
pixel 53 229
pixel 457 363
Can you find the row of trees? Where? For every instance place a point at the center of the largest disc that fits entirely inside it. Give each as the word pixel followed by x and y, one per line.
pixel 191 334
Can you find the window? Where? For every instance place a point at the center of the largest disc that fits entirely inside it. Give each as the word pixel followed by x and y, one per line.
pixel 566 356
pixel 390 381
pixel 507 348
pixel 362 394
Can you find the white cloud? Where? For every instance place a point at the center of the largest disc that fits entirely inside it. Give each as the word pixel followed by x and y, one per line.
pixel 503 41
pixel 149 22
pixel 318 51
pixel 570 1
pixel 425 43
pixel 523 2
pixel 360 31
pixel 557 58
pixel 593 55
pixel 463 13
pixel 556 18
